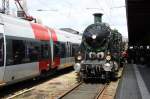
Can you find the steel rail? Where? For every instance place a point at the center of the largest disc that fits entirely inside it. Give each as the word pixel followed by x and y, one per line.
pixel 70 90
pixel 101 91
pixel 95 95
pixel 19 93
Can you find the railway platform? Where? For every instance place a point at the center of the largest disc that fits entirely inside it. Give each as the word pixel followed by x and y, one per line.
pixel 135 83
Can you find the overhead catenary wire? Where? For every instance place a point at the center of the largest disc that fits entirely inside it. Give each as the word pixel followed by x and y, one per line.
pixel 44 4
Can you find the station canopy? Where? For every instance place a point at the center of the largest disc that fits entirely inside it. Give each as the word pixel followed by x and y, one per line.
pixel 138 16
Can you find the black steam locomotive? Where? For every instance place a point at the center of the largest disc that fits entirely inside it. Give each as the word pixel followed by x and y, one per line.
pixel 99 53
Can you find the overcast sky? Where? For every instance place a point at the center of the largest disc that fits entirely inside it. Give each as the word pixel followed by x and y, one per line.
pixel 77 14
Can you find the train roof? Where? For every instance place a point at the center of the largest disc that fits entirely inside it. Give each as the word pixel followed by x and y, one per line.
pixel 74 38
pixel 22 28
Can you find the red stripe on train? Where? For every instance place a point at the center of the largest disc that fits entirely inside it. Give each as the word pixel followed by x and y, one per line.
pixel 44 64
pixel 40 32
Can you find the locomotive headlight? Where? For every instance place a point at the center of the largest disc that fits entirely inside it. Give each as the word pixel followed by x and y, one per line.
pixel 77 67
pixel 93 37
pixel 79 57
pixel 100 55
pixel 108 58
pixel 107 64
pixel 107 67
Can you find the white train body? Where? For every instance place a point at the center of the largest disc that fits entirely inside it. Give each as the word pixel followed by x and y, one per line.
pixel 28 49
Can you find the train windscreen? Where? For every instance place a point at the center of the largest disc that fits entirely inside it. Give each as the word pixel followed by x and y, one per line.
pixel 1 50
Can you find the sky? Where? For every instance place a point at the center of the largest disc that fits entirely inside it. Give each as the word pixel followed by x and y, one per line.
pixel 78 14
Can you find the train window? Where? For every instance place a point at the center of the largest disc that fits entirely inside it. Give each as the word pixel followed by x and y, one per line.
pixel 1 50
pixel 21 51
pixel 18 51
pixel 71 54
pixel 75 48
pixel 69 49
pixel 62 50
pixel 32 51
pixel 9 53
pixel 15 51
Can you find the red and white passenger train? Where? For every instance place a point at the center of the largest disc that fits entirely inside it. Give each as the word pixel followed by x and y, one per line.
pixel 28 49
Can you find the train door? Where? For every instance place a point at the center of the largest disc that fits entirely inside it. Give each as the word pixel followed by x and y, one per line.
pixel 45 61
pixel 56 55
pixel 68 54
pixel 2 66
pixel 63 53
pixel 71 54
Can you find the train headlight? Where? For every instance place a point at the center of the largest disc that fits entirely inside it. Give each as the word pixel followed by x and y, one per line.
pixel 107 67
pixel 93 37
pixel 92 55
pixel 79 57
pixel 77 67
pixel 107 64
pixel 100 55
pixel 108 58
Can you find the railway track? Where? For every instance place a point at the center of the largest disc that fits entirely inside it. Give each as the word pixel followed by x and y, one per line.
pixel 54 87
pixel 18 90
pixel 84 91
pixel 19 93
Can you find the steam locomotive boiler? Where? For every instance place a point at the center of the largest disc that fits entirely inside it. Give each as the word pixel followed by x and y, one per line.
pixel 99 53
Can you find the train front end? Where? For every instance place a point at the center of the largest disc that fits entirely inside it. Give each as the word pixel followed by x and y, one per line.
pixel 99 66
pixel 95 60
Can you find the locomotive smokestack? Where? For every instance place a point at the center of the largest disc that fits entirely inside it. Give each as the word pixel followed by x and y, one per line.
pixel 97 17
